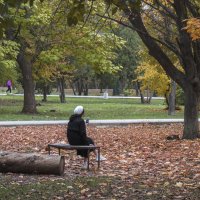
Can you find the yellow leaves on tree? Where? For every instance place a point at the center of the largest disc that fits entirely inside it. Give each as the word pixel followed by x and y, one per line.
pixel 151 75
pixel 193 28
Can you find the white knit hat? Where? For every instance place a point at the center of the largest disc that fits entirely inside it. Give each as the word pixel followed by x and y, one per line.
pixel 78 110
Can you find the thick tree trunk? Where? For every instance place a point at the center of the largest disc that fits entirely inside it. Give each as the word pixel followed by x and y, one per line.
pixel 172 99
pixel 191 125
pixel 31 163
pixel 28 83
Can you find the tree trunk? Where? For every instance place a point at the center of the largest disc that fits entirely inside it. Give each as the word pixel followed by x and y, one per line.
pixel 72 86
pixel 142 97
pixel 167 100
pixel 45 92
pixel 140 92
pixel 172 99
pixel 79 87
pixel 121 86
pixel 85 90
pixel 172 87
pixel 116 89
pixel 100 84
pixel 31 163
pixel 61 84
pixel 149 96
pixel 28 83
pixel 191 125
pixel 136 89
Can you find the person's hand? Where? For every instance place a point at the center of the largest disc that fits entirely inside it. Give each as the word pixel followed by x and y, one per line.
pixel 87 121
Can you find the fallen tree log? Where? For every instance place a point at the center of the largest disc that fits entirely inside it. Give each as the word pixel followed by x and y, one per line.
pixel 31 163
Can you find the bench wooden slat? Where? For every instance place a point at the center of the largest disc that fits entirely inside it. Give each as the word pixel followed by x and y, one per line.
pixel 68 146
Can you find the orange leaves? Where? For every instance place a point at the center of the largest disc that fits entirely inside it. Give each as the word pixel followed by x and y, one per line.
pixel 193 28
pixel 140 161
pixel 34 138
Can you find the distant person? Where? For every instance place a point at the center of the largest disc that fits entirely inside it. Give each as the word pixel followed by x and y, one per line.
pixel 9 86
pixel 76 134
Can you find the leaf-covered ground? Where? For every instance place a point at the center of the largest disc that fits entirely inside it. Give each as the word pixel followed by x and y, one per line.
pixel 141 164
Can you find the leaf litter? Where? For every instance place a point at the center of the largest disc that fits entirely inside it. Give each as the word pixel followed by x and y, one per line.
pixel 141 163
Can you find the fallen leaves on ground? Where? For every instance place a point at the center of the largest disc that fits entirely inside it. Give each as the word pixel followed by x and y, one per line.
pixel 141 163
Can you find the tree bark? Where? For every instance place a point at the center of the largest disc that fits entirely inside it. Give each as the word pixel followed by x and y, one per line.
pixel 140 92
pixel 31 163
pixel 149 96
pixel 61 83
pixel 166 100
pixel 28 83
pixel 172 99
pixel 72 86
pixel 79 86
pixel 85 89
pixel 136 89
pixel 191 125
pixel 45 92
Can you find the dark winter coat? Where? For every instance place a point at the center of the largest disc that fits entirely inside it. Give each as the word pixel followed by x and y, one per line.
pixel 76 134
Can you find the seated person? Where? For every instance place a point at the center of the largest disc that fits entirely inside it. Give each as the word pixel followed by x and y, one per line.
pixel 76 134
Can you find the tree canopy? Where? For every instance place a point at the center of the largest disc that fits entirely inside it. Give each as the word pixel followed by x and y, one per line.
pixel 8 53
pixel 162 25
pixel 193 28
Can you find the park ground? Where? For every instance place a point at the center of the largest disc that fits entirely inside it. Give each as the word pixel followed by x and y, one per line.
pixel 141 164
pixel 95 108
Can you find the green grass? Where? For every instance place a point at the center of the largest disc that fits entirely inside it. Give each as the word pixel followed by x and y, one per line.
pixel 90 188
pixel 51 189
pixel 95 108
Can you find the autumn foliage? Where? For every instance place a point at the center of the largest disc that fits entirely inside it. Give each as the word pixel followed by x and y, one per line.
pixel 193 28
pixel 140 159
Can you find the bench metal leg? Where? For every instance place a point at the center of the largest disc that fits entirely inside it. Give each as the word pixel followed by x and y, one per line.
pixel 98 150
pixel 49 149
pixel 88 155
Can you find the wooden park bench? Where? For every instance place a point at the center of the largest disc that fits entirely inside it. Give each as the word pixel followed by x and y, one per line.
pixel 60 146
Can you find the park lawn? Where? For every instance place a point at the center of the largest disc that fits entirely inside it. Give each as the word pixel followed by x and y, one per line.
pixel 90 188
pixel 96 108
pixel 55 188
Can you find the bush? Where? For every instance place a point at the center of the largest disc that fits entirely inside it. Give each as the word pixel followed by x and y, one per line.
pixel 128 92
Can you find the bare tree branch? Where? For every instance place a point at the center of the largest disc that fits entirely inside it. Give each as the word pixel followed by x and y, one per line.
pixel 166 11
pixel 172 48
